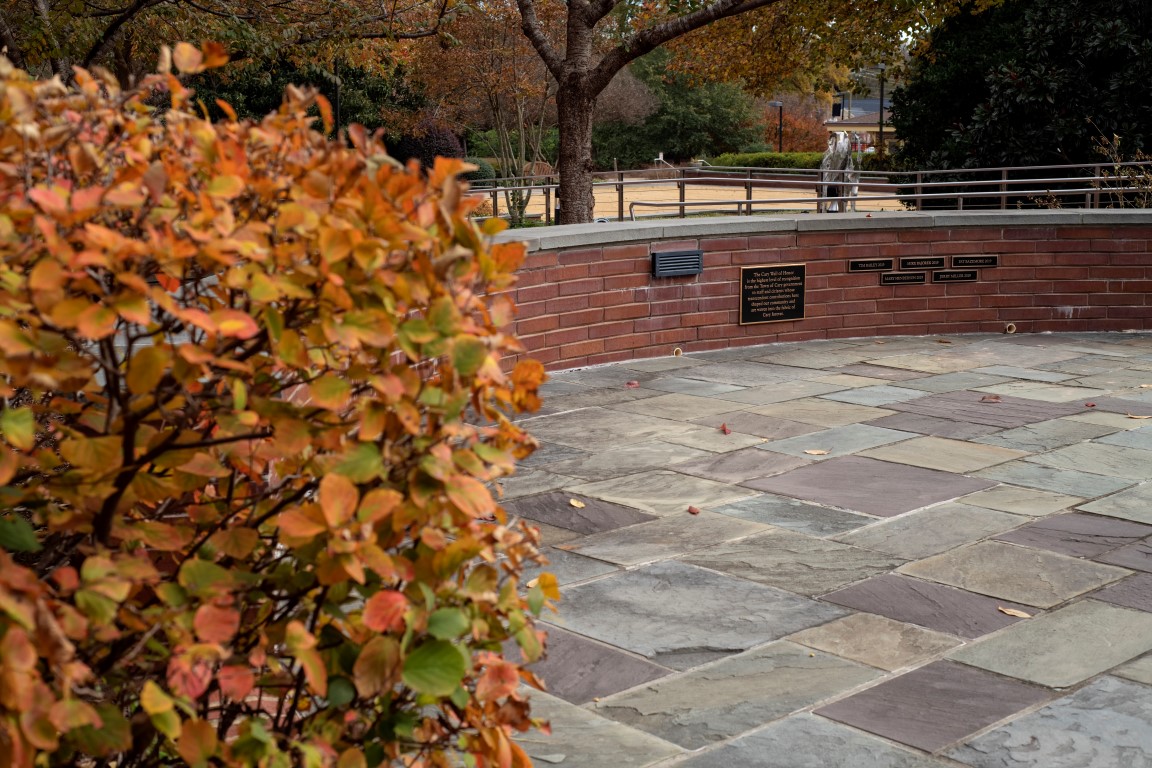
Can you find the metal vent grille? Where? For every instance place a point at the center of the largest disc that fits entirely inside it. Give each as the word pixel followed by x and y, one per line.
pixel 677 263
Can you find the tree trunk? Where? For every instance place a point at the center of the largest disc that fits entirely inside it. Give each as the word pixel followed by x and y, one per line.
pixel 574 106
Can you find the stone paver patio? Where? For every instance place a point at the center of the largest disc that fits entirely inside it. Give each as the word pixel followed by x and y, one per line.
pixel 909 553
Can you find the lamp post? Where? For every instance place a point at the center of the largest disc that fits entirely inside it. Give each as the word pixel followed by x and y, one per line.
pixel 779 125
pixel 880 147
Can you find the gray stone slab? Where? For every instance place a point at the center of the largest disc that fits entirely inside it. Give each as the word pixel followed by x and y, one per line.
pixel 1139 670
pixel 1128 405
pixel 1006 413
pixel 808 358
pixel 794 515
pixel 933 425
pixel 1028 576
pixel 681 616
pixel 944 454
pixel 1108 419
pixel 557 509
pixel 1078 535
pixel 1136 438
pixel 662 492
pixel 956 382
pixel 1100 459
pixel 1137 556
pixel 1046 435
pixel 581 739
pixel 807 741
pixel 1133 592
pixel 945 609
pixel 662 363
pixel 877 641
pixel 566 567
pixel 933 530
pixel 1068 481
pixel 803 564
pixel 735 695
pixel 1021 501
pixel 879 372
pixel 650 454
pixel 598 429
pixel 589 398
pixel 778 393
pixel 737 466
pixel 925 363
pixel 604 376
pixel 1028 374
pixel 1064 647
pixel 714 440
pixel 675 406
pixel 579 670
pixel 740 373
pixel 866 485
pixel 1106 724
pixel 758 424
pixel 549 453
pixel 934 706
pixel 837 441
pixel 824 413
pixel 530 482
pixel 882 394
pixel 682 386
pixel 1133 504
pixel 663 538
pixel 1115 380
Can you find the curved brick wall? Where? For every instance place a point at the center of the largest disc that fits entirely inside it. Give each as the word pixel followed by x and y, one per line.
pixel 586 294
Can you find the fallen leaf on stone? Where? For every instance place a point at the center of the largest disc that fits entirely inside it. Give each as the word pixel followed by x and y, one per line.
pixel 725 430
pixel 1089 405
pixel 1146 386
pixel 943 341
pixel 693 511
pixel 990 399
pixel 632 384
pixel 1133 416
pixel 1014 612
pixel 577 503
pixel 816 452
pixel 553 759
pixel 566 547
pixel 881 342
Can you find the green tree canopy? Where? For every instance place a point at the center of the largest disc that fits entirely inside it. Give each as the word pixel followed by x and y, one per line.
pixel 1030 82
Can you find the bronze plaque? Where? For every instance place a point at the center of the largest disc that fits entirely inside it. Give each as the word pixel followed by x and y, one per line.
pixel 869 265
pixel 975 261
pixel 955 276
pixel 922 262
pixel 770 294
pixel 902 278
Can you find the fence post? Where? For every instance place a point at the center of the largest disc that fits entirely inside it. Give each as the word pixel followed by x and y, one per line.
pixel 919 191
pixel 748 192
pixel 1003 189
pixel 548 200
pixel 620 195
pixel 495 201
pixel 680 183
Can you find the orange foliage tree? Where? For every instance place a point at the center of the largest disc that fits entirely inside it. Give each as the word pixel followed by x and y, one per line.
pixel 252 403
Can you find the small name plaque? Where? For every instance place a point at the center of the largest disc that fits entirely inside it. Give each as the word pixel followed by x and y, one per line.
pixel 869 265
pixel 902 278
pixel 922 262
pixel 771 294
pixel 955 276
pixel 975 261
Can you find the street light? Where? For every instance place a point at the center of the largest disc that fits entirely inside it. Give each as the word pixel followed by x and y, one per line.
pixel 880 148
pixel 779 125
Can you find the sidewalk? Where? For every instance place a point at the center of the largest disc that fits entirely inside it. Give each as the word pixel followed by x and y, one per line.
pixel 908 553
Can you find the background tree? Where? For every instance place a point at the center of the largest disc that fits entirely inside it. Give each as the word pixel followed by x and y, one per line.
pixel 1032 82
pixel 252 402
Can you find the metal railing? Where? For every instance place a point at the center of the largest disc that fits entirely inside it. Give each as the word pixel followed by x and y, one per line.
pixel 1084 186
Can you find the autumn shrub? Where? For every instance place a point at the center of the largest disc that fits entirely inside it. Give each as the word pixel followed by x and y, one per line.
pixel 253 405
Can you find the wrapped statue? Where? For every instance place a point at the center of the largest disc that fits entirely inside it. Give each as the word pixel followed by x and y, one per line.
pixel 839 179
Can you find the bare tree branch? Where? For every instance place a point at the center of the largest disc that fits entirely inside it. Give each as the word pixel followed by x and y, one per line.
pixel 534 31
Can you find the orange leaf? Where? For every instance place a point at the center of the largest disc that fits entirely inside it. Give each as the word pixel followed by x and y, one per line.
pixel 197 742
pixel 187 58
pixel 500 679
pixel 188 677
pixel 990 399
pixel 216 625
pixel 1014 612
pixel 236 682
pixel 96 322
pixel 469 495
pixel 693 511
pixel 338 499
pixel 384 611
pixel 214 55
pixel 234 323
pixel 303 522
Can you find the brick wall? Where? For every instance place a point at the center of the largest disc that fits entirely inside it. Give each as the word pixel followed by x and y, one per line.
pixel 597 302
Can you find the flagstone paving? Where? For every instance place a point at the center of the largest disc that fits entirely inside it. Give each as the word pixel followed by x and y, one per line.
pixel 964 578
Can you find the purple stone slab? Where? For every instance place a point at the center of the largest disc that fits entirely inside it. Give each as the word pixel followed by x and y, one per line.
pixel 556 509
pixel 867 485
pixel 578 669
pixel 935 606
pixel 1133 592
pixel 966 406
pixel 1136 556
pixel 748 423
pixel 936 705
pixel 933 425
pixel 1078 535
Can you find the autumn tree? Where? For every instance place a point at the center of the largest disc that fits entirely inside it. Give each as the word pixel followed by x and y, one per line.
pixel 253 404
pixel 603 36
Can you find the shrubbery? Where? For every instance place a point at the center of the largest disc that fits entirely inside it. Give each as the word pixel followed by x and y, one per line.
pixel 770 159
pixel 253 397
pixel 484 170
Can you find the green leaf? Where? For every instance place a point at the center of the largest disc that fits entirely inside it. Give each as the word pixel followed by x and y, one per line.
pixel 362 464
pixel 19 428
pixel 114 735
pixel 435 668
pixel 201 577
pixel 17 534
pixel 448 623
pixel 468 355
pixel 340 692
